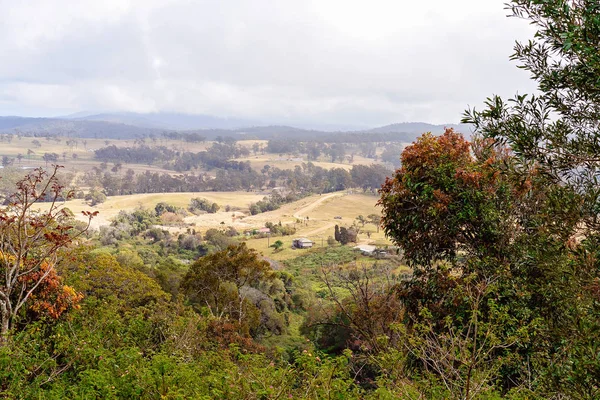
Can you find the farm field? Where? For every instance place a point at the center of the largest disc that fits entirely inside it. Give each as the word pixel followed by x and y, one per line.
pixel 320 211
pixel 284 162
pixel 78 154
pixel 113 204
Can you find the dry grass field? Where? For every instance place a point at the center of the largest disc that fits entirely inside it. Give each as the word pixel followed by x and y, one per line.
pixel 284 162
pixel 320 211
pixel 111 207
pixel 79 157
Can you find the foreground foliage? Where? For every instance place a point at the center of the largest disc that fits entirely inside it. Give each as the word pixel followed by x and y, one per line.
pixel 29 251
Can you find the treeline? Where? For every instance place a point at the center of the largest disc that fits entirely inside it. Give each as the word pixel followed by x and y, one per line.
pixel 349 137
pixel 272 202
pixel 220 155
pixel 306 179
pixel 313 150
pixel 339 152
pixel 192 137
pixel 216 156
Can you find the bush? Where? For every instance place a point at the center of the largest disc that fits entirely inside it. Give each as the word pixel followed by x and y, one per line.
pixel 277 245
pixel 170 218
pixel 280 230
pixel 163 207
pixel 199 204
pixel 95 197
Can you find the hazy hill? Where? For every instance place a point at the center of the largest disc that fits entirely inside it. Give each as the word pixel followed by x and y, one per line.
pixel 11 122
pixel 171 121
pixel 132 125
pixel 420 127
pixel 75 128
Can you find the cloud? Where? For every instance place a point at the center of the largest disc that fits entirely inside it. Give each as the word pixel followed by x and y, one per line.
pixel 321 61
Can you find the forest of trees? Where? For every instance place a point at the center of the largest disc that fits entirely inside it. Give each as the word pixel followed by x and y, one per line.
pixel 501 234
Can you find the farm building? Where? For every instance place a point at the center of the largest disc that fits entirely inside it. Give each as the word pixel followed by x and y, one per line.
pixel 366 249
pixel 302 243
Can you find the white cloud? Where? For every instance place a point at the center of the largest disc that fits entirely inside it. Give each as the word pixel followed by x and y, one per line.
pixel 327 61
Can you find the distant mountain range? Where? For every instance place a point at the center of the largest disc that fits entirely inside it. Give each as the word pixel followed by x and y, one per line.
pixel 131 125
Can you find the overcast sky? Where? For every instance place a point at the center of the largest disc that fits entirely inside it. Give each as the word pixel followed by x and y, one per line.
pixel 362 63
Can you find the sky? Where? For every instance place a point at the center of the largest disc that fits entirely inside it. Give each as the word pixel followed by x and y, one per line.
pixel 339 62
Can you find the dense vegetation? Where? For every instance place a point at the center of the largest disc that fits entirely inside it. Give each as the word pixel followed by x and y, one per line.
pixel 495 292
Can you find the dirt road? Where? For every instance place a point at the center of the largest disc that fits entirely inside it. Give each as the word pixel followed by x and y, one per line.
pixel 308 208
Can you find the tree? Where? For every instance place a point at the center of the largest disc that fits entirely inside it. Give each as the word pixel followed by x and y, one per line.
pixel 199 204
pixel 464 360
pixel 557 132
pixel 313 151
pixel 560 127
pixel 469 214
pixel 30 243
pixel 95 197
pixel 362 220
pixel 6 161
pixel 362 308
pixel 277 245
pixel 347 235
pixel 219 239
pixel 50 157
pixel 375 220
pixel 102 276
pixel 419 196
pixel 369 177
pixel 163 207
pixel 337 151
pixel 220 281
pixel 391 154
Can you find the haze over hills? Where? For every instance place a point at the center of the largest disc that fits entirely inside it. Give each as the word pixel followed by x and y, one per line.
pixel 131 125
pixel 421 127
pixel 163 120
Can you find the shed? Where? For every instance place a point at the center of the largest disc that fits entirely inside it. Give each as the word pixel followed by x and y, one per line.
pixel 302 243
pixel 366 249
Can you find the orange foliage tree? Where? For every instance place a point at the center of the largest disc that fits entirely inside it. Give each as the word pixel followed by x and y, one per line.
pixel 447 198
pixel 30 244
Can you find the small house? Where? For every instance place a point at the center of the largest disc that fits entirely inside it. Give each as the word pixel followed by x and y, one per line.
pixel 302 243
